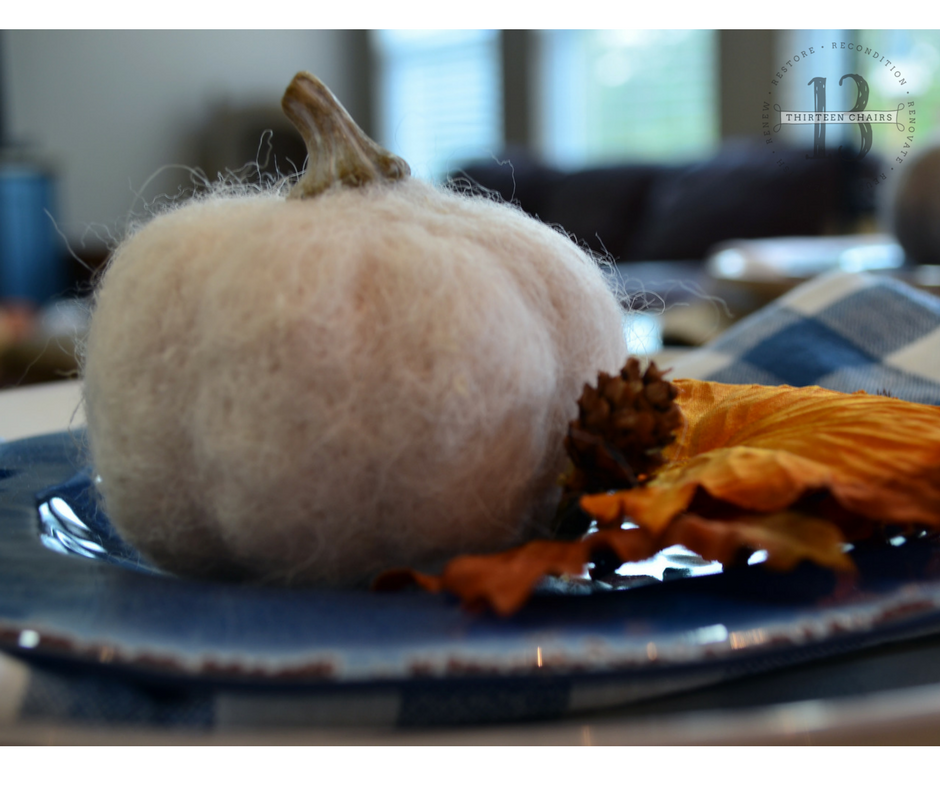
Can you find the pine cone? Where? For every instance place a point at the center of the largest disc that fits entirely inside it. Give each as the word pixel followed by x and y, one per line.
pixel 622 427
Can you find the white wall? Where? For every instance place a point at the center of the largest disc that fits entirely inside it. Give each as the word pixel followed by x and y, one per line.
pixel 110 108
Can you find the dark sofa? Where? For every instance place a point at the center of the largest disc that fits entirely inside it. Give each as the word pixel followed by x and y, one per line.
pixel 645 212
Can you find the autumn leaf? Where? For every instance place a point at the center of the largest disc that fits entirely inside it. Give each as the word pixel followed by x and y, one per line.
pixel 789 537
pixel 504 581
pixel 767 449
pixel 796 472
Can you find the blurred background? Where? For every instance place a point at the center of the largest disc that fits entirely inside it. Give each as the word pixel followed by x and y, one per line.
pixel 646 145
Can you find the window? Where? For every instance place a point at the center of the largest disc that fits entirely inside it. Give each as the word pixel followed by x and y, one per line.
pixel 799 94
pixel 593 95
pixel 440 96
pixel 915 54
pixel 638 94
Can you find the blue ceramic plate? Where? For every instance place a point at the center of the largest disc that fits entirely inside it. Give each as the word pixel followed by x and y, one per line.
pixel 76 600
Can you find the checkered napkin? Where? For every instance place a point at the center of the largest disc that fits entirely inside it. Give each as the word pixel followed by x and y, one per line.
pixel 846 332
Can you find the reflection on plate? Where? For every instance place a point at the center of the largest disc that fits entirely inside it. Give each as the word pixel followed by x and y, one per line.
pixel 75 599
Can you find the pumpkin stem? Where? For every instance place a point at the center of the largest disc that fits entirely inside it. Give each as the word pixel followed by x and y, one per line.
pixel 338 151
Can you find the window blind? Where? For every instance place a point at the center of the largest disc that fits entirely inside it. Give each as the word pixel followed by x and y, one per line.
pixel 440 96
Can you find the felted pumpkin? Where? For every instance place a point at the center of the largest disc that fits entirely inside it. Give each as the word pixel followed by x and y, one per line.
pixel 371 372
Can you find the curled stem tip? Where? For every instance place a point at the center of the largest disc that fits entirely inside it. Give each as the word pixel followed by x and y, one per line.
pixel 338 151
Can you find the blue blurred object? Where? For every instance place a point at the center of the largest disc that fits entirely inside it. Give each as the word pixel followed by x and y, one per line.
pixel 31 260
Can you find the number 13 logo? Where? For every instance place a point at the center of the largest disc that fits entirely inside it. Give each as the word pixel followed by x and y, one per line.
pixel 819 129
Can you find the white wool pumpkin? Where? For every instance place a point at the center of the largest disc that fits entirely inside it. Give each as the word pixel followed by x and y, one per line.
pixel 376 373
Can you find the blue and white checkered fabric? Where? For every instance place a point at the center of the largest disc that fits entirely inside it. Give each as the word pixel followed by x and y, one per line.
pixel 846 332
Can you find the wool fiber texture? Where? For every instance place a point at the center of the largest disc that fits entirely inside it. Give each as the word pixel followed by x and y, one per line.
pixel 307 392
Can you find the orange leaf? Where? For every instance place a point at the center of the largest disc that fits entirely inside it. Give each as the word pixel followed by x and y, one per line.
pixel 504 581
pixel 795 472
pixel 789 537
pixel 757 450
pixel 760 480
pixel 884 453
